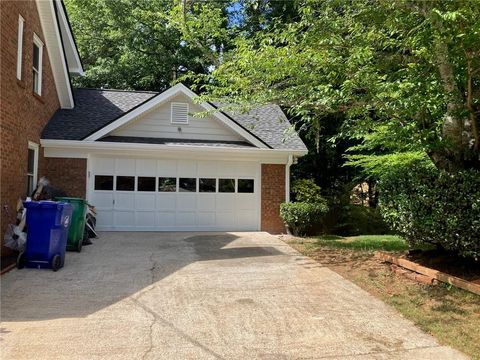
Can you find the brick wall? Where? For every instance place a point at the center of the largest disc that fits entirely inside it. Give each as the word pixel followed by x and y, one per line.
pixel 22 114
pixel 273 194
pixel 70 175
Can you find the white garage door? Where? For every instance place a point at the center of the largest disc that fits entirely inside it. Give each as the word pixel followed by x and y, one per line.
pixel 174 195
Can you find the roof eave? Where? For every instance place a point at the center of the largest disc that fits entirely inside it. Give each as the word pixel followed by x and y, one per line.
pixel 76 66
pixel 88 144
pixel 54 46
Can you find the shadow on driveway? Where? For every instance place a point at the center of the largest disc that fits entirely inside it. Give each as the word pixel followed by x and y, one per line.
pixel 117 266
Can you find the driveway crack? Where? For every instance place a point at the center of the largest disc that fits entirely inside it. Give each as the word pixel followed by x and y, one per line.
pixel 146 309
pixel 158 319
pixel 152 268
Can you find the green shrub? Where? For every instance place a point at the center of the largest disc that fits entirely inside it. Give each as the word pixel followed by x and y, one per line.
pixel 426 205
pixel 305 214
pixel 356 220
pixel 302 217
pixel 305 190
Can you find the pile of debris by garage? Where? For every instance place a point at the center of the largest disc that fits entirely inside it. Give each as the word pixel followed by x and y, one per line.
pixel 49 223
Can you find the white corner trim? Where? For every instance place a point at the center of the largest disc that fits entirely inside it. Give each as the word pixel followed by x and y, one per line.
pixel 161 98
pixel 20 31
pixel 35 147
pixel 87 177
pixel 287 178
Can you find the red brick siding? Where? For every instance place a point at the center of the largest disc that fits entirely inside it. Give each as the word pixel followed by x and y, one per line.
pixel 70 175
pixel 23 115
pixel 273 194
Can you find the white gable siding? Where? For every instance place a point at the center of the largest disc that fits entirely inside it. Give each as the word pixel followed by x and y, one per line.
pixel 157 124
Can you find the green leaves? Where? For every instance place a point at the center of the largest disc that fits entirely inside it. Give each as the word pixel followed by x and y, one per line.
pixel 393 68
pixel 143 44
pixel 305 190
pixel 302 217
pixel 426 205
pixel 307 211
pixel 375 62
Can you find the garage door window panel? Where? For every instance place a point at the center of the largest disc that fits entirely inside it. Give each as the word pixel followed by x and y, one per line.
pixel 226 185
pixel 146 183
pixel 103 182
pixel 246 186
pixel 187 184
pixel 125 183
pixel 167 184
pixel 207 185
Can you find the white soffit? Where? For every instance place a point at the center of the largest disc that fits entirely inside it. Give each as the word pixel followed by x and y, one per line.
pixel 56 56
pixel 73 58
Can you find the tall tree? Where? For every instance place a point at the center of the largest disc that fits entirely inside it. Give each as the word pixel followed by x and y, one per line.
pixel 138 44
pixel 405 74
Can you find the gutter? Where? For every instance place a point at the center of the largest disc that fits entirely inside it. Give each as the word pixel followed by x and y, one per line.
pixel 287 178
pixel 103 145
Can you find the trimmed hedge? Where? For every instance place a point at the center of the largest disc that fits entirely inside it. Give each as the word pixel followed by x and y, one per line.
pixel 305 214
pixel 302 217
pixel 426 205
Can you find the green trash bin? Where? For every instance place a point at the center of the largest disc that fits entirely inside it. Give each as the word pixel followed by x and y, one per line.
pixel 77 227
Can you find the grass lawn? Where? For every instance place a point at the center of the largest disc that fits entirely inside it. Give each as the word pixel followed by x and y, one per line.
pixel 364 242
pixel 451 315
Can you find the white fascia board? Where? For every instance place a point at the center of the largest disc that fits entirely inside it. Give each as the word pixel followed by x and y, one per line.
pixel 76 66
pixel 162 97
pixel 149 104
pixel 53 42
pixel 81 149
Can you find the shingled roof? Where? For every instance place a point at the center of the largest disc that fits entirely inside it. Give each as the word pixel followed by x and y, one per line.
pixel 96 108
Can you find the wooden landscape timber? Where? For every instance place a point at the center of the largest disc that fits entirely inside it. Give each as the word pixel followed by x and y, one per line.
pixel 434 274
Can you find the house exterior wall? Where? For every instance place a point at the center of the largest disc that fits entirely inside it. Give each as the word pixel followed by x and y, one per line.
pixel 157 124
pixel 69 175
pixel 273 194
pixel 23 114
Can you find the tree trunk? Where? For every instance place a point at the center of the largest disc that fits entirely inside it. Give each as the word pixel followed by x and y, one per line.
pixel 372 194
pixel 454 122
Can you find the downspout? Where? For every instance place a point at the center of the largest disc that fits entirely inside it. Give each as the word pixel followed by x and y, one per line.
pixel 287 178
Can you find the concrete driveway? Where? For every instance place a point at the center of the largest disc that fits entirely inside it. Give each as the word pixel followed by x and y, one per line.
pixel 199 296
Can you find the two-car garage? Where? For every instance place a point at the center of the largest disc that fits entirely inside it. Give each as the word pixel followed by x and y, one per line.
pixel 151 194
pixel 167 162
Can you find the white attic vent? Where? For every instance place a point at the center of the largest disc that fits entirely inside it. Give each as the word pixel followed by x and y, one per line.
pixel 179 113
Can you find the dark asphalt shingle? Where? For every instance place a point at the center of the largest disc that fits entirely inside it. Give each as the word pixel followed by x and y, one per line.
pixel 96 108
pixel 270 124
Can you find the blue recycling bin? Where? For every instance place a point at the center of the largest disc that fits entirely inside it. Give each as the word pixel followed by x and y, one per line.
pixel 47 231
